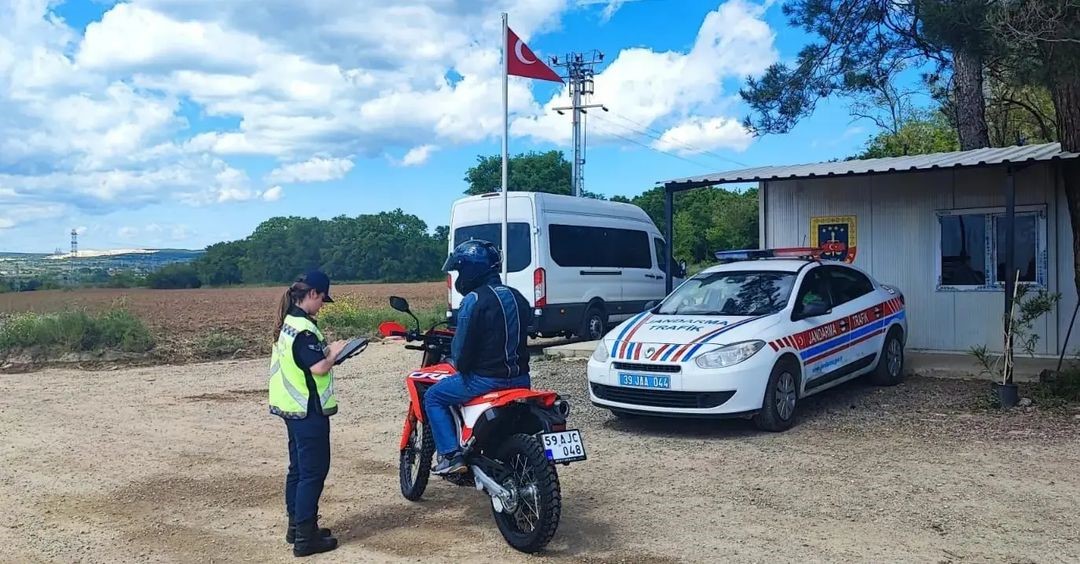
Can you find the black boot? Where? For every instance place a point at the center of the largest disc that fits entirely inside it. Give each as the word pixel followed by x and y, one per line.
pixel 290 534
pixel 309 541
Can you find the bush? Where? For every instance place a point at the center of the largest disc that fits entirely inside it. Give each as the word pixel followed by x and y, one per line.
pixel 1059 388
pixel 217 344
pixel 76 331
pixel 345 319
pixel 175 276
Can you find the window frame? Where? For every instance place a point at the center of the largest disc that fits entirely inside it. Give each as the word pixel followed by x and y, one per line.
pixel 659 247
pixel 990 247
pixel 834 289
pixel 516 225
pixel 798 294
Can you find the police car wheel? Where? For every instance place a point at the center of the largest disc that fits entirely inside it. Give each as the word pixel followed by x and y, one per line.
pixel 890 368
pixel 780 404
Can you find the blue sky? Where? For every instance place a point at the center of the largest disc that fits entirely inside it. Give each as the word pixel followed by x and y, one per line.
pixel 179 123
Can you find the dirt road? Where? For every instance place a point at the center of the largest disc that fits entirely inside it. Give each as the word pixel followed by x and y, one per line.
pixel 183 464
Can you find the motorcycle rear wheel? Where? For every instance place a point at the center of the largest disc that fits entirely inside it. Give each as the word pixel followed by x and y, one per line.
pixel 539 501
pixel 416 458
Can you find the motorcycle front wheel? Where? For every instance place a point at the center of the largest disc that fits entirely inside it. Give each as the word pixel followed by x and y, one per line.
pixel 414 463
pixel 535 483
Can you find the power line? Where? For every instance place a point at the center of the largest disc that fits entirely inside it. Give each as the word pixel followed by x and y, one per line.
pixel 657 135
pixel 654 149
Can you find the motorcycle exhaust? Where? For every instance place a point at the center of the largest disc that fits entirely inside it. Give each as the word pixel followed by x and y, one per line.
pixel 500 497
pixel 562 407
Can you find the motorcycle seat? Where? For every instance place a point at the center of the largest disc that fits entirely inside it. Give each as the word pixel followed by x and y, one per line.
pixel 503 397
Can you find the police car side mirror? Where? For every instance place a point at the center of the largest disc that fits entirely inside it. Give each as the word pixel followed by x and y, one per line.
pixel 650 306
pixel 399 304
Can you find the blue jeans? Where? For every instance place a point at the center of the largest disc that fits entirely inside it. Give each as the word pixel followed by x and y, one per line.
pixel 456 390
pixel 309 463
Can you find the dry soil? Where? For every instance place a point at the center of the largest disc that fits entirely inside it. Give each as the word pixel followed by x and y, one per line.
pixel 184 464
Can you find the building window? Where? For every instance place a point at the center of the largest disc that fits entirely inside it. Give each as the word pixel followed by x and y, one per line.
pixel 971 248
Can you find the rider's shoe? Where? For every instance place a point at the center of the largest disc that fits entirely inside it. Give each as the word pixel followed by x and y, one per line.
pixel 452 464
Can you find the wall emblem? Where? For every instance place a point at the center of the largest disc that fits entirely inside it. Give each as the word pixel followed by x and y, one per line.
pixel 835 236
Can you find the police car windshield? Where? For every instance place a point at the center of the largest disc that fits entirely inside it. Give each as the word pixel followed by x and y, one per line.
pixel 742 293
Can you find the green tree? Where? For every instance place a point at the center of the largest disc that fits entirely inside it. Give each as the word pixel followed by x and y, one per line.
pixel 1044 50
pixel 930 133
pixel 526 172
pixel 220 264
pixel 706 220
pixel 174 276
pixel 860 47
pixel 388 246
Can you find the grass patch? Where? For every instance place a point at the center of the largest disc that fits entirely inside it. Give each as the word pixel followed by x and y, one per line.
pixel 217 344
pixel 75 331
pixel 1060 390
pixel 346 318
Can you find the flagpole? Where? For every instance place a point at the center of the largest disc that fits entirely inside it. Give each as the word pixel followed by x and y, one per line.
pixel 505 148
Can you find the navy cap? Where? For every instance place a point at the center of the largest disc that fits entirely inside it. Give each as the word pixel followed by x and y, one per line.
pixel 320 282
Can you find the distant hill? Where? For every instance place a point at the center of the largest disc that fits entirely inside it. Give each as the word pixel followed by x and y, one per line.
pixel 136 261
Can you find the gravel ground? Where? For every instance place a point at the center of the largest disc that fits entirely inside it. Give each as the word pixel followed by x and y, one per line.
pixel 182 463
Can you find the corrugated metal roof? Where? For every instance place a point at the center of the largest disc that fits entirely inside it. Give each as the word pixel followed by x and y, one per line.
pixel 975 157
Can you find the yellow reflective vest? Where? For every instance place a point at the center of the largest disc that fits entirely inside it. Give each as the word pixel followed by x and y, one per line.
pixel 288 385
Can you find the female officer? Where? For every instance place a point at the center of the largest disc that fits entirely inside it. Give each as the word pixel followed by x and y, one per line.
pixel 302 393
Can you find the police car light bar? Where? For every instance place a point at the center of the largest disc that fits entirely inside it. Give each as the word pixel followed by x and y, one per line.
pixel 809 253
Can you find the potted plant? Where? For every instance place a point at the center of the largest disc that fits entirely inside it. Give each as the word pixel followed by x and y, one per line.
pixel 1017 331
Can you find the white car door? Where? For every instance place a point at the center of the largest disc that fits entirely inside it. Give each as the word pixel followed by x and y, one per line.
pixel 821 337
pixel 863 307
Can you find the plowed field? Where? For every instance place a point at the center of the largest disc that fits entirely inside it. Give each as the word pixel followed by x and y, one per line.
pixel 178 316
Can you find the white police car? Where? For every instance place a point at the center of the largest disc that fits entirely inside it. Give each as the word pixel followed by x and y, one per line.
pixel 750 337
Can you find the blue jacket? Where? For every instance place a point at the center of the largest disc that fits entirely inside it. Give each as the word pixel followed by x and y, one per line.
pixel 492 332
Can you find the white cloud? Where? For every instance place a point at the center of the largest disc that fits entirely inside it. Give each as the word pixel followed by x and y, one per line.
pixel 13 215
pixel 418 155
pixel 273 194
pixel 610 7
pixel 317 169
pixel 643 88
pixel 700 135
pixel 91 123
pixel 154 234
pixel 130 37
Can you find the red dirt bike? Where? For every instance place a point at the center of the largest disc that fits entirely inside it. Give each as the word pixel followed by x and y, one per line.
pixel 512 440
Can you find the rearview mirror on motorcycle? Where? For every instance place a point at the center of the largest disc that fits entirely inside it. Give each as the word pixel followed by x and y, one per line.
pixel 400 304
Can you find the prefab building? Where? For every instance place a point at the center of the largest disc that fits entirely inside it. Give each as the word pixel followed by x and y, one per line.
pixel 937 227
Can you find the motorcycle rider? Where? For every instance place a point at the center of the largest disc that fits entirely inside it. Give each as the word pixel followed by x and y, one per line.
pixel 489 346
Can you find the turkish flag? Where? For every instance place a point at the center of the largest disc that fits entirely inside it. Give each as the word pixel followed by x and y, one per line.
pixel 522 62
